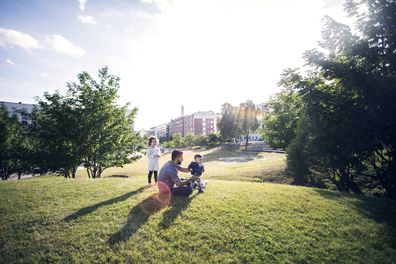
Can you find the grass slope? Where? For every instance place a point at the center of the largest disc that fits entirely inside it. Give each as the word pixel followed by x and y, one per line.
pixel 49 220
pixel 219 164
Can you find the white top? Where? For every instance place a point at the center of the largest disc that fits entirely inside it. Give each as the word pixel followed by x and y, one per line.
pixel 153 164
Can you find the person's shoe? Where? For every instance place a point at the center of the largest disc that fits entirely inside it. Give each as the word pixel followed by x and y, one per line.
pixel 200 191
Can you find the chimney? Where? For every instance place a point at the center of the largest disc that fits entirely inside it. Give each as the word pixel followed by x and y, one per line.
pixel 182 110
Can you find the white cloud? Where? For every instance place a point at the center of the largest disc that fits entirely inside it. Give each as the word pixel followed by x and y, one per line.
pixel 87 19
pixel 82 4
pixel 44 75
pixel 162 5
pixel 128 29
pixel 10 37
pixel 62 45
pixel 10 62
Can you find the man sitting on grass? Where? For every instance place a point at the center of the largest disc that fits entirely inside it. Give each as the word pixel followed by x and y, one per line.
pixel 169 181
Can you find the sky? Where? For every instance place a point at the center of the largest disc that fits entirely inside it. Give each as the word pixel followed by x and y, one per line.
pixel 168 53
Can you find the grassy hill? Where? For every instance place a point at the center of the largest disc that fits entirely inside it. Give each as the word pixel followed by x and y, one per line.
pixel 119 220
pixel 219 163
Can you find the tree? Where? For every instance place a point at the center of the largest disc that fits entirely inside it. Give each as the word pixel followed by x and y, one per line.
pixel 178 141
pixel 247 117
pixel 14 147
pixel 87 127
pixel 285 108
pixel 348 100
pixel 189 139
pixel 298 154
pixel 105 127
pixel 59 133
pixel 229 125
pixel 214 139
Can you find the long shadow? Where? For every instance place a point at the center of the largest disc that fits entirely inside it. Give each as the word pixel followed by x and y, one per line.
pixel 380 210
pixel 141 213
pixel 118 176
pixel 178 205
pixel 90 209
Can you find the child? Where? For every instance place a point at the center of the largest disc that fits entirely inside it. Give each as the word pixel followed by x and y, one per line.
pixel 153 154
pixel 197 168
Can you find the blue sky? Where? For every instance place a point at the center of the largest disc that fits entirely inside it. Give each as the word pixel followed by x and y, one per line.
pixel 168 53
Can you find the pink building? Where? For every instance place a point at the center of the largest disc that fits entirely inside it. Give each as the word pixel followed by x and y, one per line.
pixel 199 123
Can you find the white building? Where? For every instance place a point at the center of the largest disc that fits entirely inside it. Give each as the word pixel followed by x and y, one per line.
pixel 161 131
pixel 19 110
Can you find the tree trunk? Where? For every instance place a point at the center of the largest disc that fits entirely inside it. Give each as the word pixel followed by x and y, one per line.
pixel 247 141
pixel 74 172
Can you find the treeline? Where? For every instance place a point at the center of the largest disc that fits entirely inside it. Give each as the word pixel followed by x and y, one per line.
pixel 190 140
pixel 238 121
pixel 84 127
pixel 337 122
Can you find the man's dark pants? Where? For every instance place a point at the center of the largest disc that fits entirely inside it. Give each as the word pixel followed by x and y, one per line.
pixel 181 191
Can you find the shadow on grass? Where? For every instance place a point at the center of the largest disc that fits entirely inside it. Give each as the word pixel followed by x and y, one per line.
pixel 380 210
pixel 118 176
pixel 141 213
pixel 178 205
pixel 90 209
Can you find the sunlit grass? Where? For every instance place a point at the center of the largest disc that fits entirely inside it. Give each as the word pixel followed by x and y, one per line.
pixel 219 164
pixel 49 220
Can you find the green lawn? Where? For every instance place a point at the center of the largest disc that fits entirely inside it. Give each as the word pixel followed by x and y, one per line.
pixel 118 220
pixel 219 164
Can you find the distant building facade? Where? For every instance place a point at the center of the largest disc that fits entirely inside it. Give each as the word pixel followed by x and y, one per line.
pixel 161 131
pixel 19 110
pixel 199 123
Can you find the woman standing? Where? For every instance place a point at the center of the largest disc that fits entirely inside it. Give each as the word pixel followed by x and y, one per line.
pixel 153 154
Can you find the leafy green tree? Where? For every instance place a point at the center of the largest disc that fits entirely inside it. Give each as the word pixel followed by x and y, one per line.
pixel 87 127
pixel 247 116
pixel 201 140
pixel 8 129
pixel 189 139
pixel 298 153
pixel 214 139
pixel 229 125
pixel 178 141
pixel 348 100
pixel 105 127
pixel 285 107
pixel 60 140
pixel 15 147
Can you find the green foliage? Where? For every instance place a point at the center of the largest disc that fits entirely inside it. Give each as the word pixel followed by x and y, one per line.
pixel 59 134
pixel 214 139
pixel 297 153
pixel 347 102
pixel 189 139
pixel 15 148
pixel 229 126
pixel 238 120
pixel 178 141
pixel 87 126
pixel 248 121
pixel 285 108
